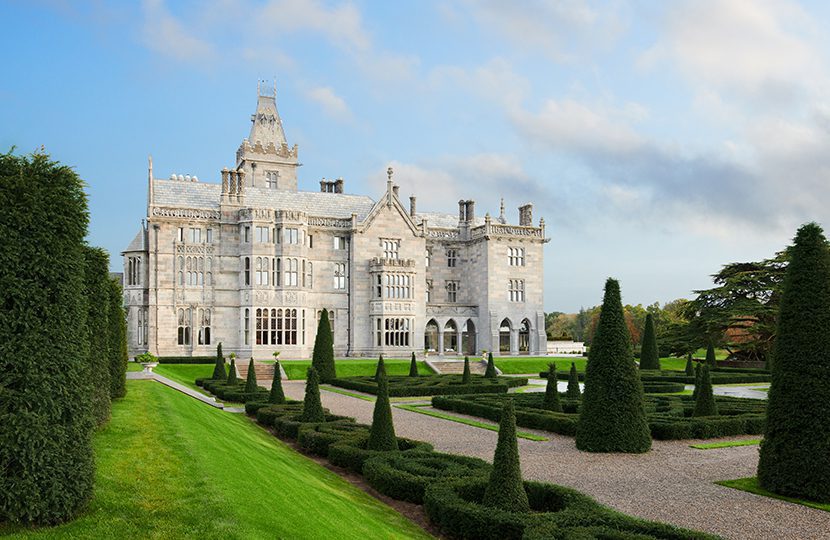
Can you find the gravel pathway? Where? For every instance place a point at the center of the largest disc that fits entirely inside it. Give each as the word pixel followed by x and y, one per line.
pixel 673 483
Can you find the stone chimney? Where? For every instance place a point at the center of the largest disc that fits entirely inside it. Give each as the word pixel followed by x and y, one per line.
pixel 526 215
pixel 412 206
pixel 470 210
pixel 338 185
pixel 462 211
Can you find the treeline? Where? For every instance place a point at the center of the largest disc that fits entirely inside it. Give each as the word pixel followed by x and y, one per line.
pixel 63 350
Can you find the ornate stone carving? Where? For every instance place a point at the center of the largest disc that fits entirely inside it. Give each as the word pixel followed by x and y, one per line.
pixel 443 233
pixel 195 249
pixel 186 213
pixel 330 222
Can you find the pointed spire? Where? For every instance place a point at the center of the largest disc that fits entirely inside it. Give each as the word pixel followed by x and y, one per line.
pixel 267 126
pixel 150 196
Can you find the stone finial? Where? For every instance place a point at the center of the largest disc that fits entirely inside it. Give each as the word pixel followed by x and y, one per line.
pixel 389 173
pixel 502 219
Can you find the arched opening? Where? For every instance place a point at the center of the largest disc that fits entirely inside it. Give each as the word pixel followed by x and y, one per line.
pixel 468 338
pixel 431 337
pixel 451 337
pixel 504 336
pixel 524 337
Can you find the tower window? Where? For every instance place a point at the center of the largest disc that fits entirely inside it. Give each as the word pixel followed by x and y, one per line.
pixel 452 258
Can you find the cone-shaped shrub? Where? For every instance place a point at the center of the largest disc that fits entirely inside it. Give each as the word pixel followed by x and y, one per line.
pixel 380 369
pixel 506 490
pixel 711 361
pixel 612 417
pixel 413 366
pixel 573 383
pixel 382 434
pixel 219 367
pixel 323 356
pixel 698 368
pixel 276 395
pixel 490 372
pixel 690 365
pixel 232 372
pixel 312 406
pixel 704 400
pixel 250 381
pixel 465 377
pixel 795 451
pixel 551 401
pixel 649 357
pixel 117 342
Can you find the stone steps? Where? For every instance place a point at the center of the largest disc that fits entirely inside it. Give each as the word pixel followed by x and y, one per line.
pixel 447 367
pixel 264 373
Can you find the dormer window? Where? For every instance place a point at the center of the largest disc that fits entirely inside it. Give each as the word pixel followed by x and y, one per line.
pixel 271 179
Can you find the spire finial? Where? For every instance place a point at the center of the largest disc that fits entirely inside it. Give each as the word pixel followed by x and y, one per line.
pixel 258 86
pixel 502 219
pixel 389 173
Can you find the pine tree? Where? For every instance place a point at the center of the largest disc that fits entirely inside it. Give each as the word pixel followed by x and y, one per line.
pixel 711 361
pixel 413 367
pixel 612 417
pixel 250 381
pixel 323 356
pixel 573 383
pixel 505 489
pixel 465 377
pixel 705 404
pixel 219 368
pixel 649 354
pixel 490 372
pixel 312 406
pixel 696 390
pixel 796 445
pixel 380 369
pixel 551 401
pixel 232 371
pixel 382 433
pixel 277 395
pixel 690 366
pixel 117 341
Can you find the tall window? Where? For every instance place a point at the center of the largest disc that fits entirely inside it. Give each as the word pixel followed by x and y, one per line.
pixel 140 326
pixel 204 327
pixel 390 248
pixel 246 233
pixel 308 274
pixel 262 270
pixel 209 236
pixel 516 256
pixel 277 273
pixel 278 326
pixel 340 275
pixel 516 290
pixel 247 326
pixel 426 258
pixel 263 235
pixel 271 178
pixel 452 291
pixel 183 333
pixel 452 257
pixel 247 270
pixel 393 332
pixel 195 236
pixel 341 242
pixel 133 270
pixel 180 234
pixel 291 235
pixel 398 286
pixel 291 272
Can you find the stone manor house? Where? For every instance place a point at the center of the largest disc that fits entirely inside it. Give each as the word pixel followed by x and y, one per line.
pixel 252 261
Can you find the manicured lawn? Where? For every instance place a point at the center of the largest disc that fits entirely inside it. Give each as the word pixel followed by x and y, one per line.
pixel 537 364
pixel 185 374
pixel 751 485
pixel 720 354
pixel 673 364
pixel 725 444
pixel 354 367
pixel 421 409
pixel 134 366
pixel 171 467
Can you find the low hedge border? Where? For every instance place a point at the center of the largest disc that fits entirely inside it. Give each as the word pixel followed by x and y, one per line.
pixel 288 426
pixel 718 376
pixel 267 415
pixel 352 453
pixel 431 385
pixel 186 359
pixel 662 387
pixel 406 476
pixel 252 407
pixel 235 392
pixel 317 438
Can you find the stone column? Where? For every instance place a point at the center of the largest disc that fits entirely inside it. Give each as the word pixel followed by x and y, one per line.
pixel 440 340
pixel 459 347
pixel 514 341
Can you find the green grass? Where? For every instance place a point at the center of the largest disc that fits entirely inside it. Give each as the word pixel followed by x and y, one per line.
pixel 329 388
pixel 353 367
pixel 720 354
pixel 537 364
pixel 725 444
pixel 751 485
pixel 185 374
pixel 466 421
pixel 171 467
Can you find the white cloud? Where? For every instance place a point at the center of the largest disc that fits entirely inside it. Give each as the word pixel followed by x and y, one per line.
pixel 332 104
pixel 167 35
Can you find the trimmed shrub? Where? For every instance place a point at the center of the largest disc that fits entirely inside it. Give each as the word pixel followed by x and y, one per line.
pixel 276 395
pixel 490 372
pixel 352 453
pixel 705 401
pixel 117 341
pixel 465 377
pixel 649 355
pixel 312 406
pixel 573 383
pixel 696 391
pixel 431 385
pixel 612 416
pixel 690 368
pixel 380 369
pixel 232 372
pixel 661 387
pixel 405 476
pixel 219 368
pixel 382 434
pixel 267 414
pixel 46 455
pixel 413 367
pixel 794 453
pixel 322 359
pixel 711 360
pixel 317 438
pixel 250 380
pixel 96 290
pixel 551 402
pixel 289 426
pixel 186 359
pixel 505 490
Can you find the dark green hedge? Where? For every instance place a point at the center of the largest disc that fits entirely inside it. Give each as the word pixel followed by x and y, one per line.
pixel 267 415
pixel 232 392
pixel 117 341
pixel 432 385
pixel 97 291
pixel 288 426
pixel 718 375
pixel 352 453
pixel 187 360
pixel 253 407
pixel 662 387
pixel 316 438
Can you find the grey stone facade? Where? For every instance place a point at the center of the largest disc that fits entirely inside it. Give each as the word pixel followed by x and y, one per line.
pixel 252 261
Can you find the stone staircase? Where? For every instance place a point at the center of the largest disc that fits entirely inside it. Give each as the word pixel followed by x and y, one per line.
pixel 447 367
pixel 264 373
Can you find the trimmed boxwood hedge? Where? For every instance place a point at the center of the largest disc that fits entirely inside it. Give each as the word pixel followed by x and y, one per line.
pixel 316 438
pixel 267 415
pixel 719 376
pixel 288 426
pixel 253 407
pixel 232 392
pixel 432 385
pixel 187 360
pixel 405 477
pixel 352 453
pixel 662 387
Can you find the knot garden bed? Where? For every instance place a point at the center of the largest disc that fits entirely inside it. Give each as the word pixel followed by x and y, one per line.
pixel 232 392
pixel 716 375
pixel 432 385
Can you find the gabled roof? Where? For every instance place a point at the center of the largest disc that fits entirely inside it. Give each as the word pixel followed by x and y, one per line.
pixel 139 243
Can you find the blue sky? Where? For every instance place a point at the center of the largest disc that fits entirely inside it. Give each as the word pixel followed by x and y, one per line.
pixel 659 140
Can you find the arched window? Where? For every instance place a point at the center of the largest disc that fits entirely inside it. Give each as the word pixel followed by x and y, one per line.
pixel 504 336
pixel 247 325
pixel 183 331
pixel 451 337
pixel 524 337
pixel 431 337
pixel 468 338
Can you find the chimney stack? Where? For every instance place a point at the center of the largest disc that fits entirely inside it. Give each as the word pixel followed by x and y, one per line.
pixel 526 215
pixel 471 210
pixel 338 185
pixel 412 206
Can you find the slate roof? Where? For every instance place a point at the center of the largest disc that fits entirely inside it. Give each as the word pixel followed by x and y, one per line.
pixel 443 221
pixel 138 243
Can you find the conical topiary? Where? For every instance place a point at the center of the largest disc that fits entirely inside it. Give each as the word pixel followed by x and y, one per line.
pixel 219 368
pixel 490 372
pixel 649 356
pixel 551 401
pixel 382 434
pixel 711 361
pixel 413 367
pixel 312 406
pixel 612 417
pixel 505 490
pixel 250 380
pixel 232 371
pixel 796 445
pixel 573 383
pixel 277 395
pixel 705 401
pixel 466 377
pixel 323 356
pixel 690 365
pixel 380 369
pixel 698 368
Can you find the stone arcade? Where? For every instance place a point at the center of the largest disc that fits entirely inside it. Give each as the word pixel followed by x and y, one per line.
pixel 252 261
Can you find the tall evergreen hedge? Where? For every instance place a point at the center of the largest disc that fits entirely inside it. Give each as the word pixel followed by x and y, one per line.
pixel 795 451
pixel 573 383
pixel 612 417
pixel 96 291
pixel 711 359
pixel 46 422
pixel 490 372
pixel 690 366
pixel 698 373
pixel 505 490
pixel 413 366
pixel 312 406
pixel 382 433
pixel 704 398
pixel 649 356
pixel 232 371
pixel 323 356
pixel 551 401
pixel 277 394
pixel 250 380
pixel 380 369
pixel 117 348
pixel 219 367
pixel 466 376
